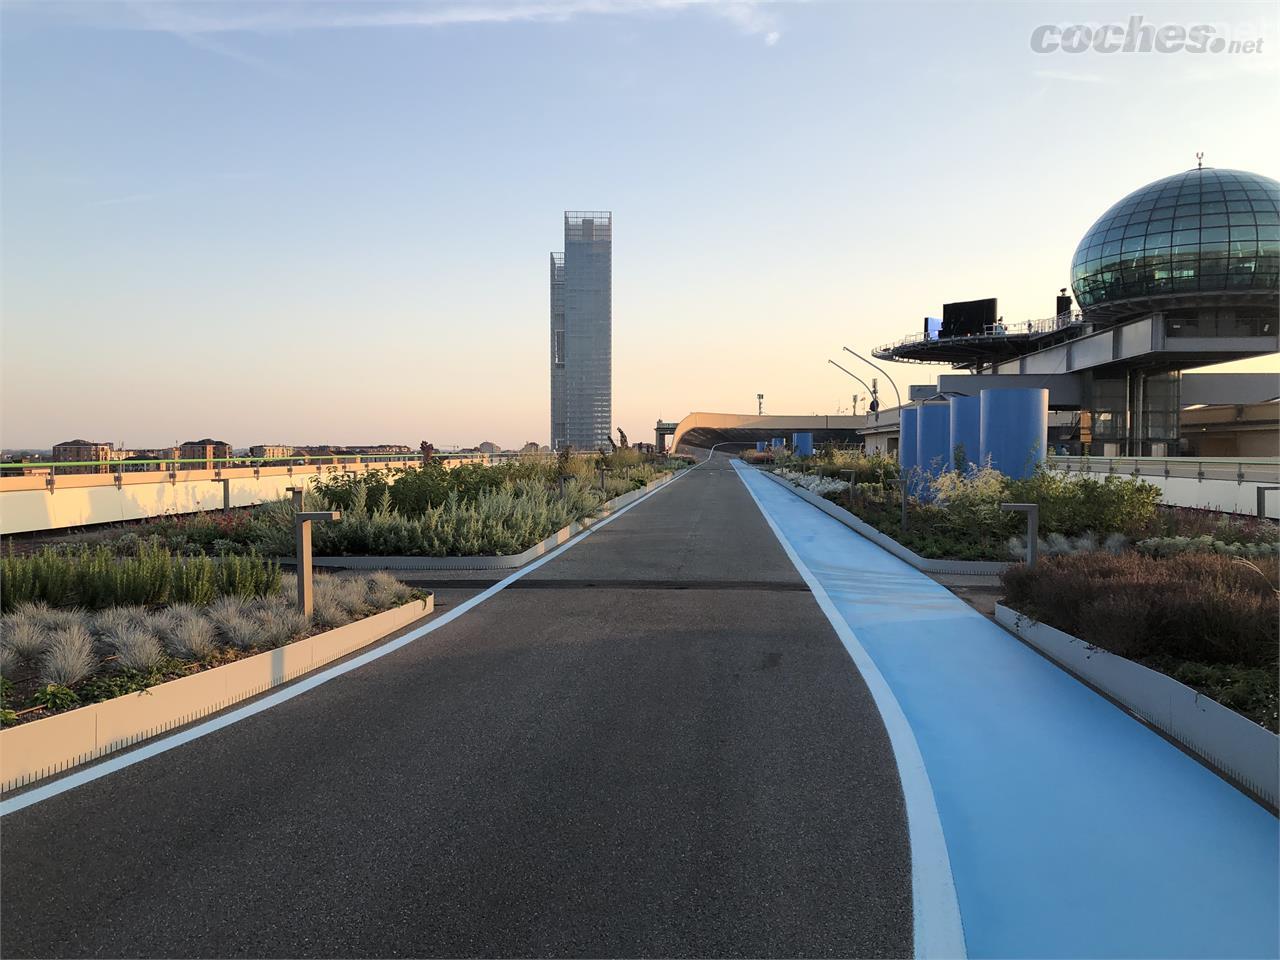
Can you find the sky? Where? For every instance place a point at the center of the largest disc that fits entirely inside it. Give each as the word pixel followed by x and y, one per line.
pixel 329 222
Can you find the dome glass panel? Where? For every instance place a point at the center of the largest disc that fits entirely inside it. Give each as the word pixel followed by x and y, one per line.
pixel 1201 231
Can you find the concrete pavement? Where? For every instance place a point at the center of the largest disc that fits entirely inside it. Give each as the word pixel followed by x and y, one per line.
pixel 656 746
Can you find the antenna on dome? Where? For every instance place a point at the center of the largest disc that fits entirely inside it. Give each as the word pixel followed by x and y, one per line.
pixel 1199 161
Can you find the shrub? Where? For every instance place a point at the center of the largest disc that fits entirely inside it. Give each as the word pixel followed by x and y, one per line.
pixel 1073 503
pixel 385 591
pixel 815 482
pixel 192 637
pixel 1186 522
pixel 329 614
pixel 278 625
pixel 8 660
pixel 136 649
pixel 160 622
pixel 69 658
pixel 499 521
pixel 96 577
pixel 25 637
pixel 972 498
pixel 1171 546
pixel 107 623
pixel 349 593
pixel 1197 607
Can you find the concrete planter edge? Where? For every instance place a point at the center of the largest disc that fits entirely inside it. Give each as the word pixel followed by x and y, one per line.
pixel 1244 753
pixel 885 542
pixel 39 749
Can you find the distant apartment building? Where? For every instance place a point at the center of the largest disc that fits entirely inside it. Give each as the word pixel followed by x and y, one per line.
pixel 489 447
pixel 270 451
pixel 82 451
pixel 582 333
pixel 380 449
pixel 385 450
pixel 207 450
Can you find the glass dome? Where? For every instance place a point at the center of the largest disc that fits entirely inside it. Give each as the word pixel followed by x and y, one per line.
pixel 1203 231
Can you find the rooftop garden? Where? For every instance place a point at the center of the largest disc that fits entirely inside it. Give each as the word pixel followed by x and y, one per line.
pixel 81 626
pixel 122 610
pixel 1191 593
pixel 423 510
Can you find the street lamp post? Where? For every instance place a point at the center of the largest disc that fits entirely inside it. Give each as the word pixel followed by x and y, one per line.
pixel 898 396
pixel 852 374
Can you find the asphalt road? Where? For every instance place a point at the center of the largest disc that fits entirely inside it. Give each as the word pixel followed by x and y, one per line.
pixel 654 745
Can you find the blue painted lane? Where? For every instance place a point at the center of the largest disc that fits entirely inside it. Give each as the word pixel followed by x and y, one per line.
pixel 1073 830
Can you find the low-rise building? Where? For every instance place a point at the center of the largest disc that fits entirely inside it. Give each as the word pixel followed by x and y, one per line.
pixel 270 451
pixel 208 450
pixel 83 451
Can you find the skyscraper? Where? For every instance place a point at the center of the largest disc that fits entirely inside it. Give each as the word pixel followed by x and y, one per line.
pixel 582 332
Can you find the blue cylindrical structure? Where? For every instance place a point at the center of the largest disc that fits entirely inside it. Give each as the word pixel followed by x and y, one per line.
pixel 802 444
pixel 965 428
pixel 778 442
pixel 761 446
pixel 1015 428
pixel 907 439
pixel 933 431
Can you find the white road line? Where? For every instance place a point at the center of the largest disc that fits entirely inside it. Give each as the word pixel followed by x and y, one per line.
pixel 164 744
pixel 939 931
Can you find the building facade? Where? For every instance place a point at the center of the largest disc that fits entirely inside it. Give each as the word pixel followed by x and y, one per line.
pixel 207 450
pixel 582 333
pixel 83 451
pixel 1181 274
pixel 270 451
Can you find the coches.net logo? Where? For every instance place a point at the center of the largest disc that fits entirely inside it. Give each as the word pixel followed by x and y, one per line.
pixel 1136 36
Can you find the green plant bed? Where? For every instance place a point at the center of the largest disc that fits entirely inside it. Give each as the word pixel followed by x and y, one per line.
pixel 1210 621
pixel 473 510
pixel 54 659
pixel 97 577
pixel 931 532
pixel 1250 691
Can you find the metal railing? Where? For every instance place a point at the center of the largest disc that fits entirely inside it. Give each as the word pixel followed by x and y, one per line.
pixel 1025 328
pixel 1241 470
pixel 297 460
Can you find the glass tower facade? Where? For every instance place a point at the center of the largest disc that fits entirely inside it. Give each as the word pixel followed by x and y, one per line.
pixel 582 333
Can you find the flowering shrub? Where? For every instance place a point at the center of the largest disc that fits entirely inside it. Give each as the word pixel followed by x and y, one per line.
pixel 815 483
pixel 1057 544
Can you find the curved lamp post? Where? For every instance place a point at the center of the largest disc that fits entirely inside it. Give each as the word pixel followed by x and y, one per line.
pixel 870 392
pixel 903 478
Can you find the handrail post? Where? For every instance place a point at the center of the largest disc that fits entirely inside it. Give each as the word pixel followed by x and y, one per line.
pixel 1032 510
pixel 1262 501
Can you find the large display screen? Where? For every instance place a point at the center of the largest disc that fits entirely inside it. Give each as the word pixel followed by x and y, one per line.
pixel 968 318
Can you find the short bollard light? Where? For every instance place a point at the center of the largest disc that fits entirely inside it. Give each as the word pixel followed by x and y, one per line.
pixel 901 484
pixel 1032 510
pixel 302 546
pixel 850 473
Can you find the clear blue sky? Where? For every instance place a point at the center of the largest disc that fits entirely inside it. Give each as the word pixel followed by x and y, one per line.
pixel 330 221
